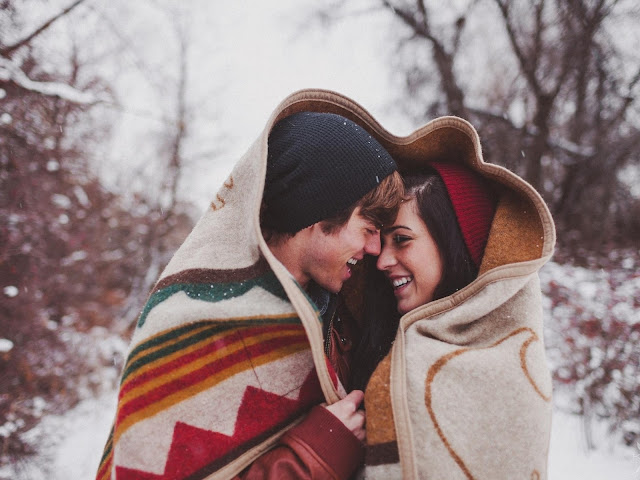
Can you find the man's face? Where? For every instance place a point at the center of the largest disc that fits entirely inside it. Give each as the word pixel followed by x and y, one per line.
pixel 330 256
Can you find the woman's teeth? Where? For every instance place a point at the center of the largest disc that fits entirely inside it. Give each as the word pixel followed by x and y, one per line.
pixel 398 282
pixel 352 261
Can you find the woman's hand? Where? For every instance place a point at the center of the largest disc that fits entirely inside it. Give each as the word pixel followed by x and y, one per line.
pixel 346 410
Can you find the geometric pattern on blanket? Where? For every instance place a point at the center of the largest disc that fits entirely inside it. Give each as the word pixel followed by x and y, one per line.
pixel 382 457
pixel 167 370
pixel 214 285
pixel 439 365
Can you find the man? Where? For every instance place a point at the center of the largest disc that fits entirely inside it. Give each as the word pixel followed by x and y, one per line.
pixel 230 353
pixel 330 186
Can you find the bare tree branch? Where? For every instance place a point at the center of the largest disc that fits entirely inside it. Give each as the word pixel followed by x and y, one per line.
pixel 527 68
pixel 628 100
pixel 176 160
pixel 423 11
pixel 443 59
pixel 460 22
pixel 420 29
pixel 537 36
pixel 555 143
pixel 7 51
pixel 10 72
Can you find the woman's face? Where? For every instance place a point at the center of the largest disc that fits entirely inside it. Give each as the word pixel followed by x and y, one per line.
pixel 410 259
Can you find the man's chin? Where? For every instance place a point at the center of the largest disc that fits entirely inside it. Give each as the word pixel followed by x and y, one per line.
pixel 331 287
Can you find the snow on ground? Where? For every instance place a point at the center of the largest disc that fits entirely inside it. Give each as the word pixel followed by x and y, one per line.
pixel 569 458
pixel 79 451
pixel 71 444
pixel 77 438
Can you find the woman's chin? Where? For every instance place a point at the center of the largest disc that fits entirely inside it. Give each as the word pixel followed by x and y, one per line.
pixel 405 307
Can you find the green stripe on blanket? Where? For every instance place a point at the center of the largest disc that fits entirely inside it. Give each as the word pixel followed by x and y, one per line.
pixel 213 292
pixel 191 334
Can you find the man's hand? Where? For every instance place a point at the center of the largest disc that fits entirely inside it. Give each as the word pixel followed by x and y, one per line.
pixel 347 412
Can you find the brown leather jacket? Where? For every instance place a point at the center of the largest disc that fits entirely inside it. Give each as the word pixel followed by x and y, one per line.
pixel 320 447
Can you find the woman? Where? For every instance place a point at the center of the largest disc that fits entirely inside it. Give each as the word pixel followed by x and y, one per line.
pixel 426 256
pixel 463 390
pixel 431 250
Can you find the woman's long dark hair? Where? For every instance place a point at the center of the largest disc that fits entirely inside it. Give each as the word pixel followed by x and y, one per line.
pixel 436 210
pixel 381 314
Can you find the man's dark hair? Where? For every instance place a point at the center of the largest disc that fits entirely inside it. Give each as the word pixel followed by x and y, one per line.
pixel 379 206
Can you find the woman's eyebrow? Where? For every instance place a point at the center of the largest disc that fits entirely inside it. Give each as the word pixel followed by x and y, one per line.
pixel 393 228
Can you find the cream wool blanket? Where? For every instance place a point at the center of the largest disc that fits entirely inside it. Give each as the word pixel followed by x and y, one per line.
pixel 228 352
pixel 465 392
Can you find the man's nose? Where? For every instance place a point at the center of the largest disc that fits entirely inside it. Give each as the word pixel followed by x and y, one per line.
pixel 372 246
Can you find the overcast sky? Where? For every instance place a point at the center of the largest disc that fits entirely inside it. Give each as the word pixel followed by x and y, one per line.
pixel 245 57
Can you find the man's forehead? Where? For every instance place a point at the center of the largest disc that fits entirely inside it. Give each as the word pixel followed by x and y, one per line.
pixel 368 222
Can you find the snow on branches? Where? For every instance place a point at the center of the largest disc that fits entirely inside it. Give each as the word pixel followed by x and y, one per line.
pixel 10 72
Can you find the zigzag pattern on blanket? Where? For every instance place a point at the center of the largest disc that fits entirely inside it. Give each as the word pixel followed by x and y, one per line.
pixel 196 453
pixel 195 361
pixel 169 368
pixel 214 285
pixel 180 363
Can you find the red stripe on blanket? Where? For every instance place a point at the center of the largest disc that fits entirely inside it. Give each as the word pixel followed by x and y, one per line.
pixel 191 355
pixel 104 472
pixel 187 384
pixel 196 453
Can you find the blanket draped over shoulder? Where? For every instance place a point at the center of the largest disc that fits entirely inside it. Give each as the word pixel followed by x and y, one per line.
pixel 465 392
pixel 228 354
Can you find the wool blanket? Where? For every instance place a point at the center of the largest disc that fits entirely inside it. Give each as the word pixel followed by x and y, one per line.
pixel 465 392
pixel 228 353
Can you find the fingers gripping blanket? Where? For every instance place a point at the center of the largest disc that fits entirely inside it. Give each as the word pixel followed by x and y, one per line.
pixel 465 392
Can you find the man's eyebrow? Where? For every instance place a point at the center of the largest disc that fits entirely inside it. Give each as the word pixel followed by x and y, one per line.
pixel 393 228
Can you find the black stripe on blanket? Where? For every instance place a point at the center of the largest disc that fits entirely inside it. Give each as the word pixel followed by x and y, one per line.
pixel 382 454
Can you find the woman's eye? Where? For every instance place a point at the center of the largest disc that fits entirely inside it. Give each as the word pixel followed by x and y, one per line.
pixel 400 238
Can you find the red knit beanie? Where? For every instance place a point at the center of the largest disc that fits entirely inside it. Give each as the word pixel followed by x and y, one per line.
pixel 473 203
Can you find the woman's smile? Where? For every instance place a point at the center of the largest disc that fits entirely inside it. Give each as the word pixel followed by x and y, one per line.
pixel 400 282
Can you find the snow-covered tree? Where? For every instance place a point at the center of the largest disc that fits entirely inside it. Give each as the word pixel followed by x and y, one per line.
pixel 71 252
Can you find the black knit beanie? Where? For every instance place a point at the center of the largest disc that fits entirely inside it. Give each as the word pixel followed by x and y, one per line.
pixel 318 165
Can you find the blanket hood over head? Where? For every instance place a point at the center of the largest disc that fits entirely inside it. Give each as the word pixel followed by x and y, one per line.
pixel 465 392
pixel 228 352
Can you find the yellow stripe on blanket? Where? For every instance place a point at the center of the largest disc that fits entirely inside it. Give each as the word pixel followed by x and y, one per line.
pixel 199 362
pixel 126 419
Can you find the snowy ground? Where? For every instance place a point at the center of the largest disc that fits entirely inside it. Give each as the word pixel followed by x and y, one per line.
pixel 71 444
pixel 569 458
pixel 76 440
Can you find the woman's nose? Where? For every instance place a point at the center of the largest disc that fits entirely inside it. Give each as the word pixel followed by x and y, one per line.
pixel 386 258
